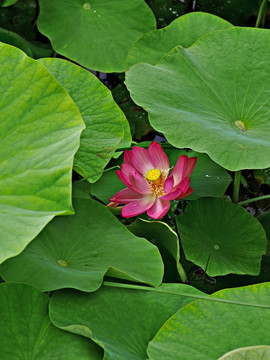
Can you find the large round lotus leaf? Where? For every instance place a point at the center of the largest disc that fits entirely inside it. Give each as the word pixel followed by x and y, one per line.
pixel 76 252
pixel 221 237
pixel 261 352
pixel 161 235
pixel 27 333
pixel 212 97
pixel 103 118
pixel 40 129
pixel 184 31
pixel 205 330
pixel 96 34
pixel 122 321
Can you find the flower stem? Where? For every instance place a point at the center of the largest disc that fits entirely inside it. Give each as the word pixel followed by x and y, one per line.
pixel 180 269
pixel 254 199
pixel 260 14
pixel 182 293
pixel 236 186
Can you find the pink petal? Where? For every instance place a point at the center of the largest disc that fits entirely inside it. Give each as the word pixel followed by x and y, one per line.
pixel 137 207
pixel 129 176
pixel 190 166
pixel 127 157
pixel 141 160
pixel 187 193
pixel 181 189
pixel 159 209
pixel 120 176
pixel 158 157
pixel 140 184
pixel 168 184
pixel 125 196
pixel 179 170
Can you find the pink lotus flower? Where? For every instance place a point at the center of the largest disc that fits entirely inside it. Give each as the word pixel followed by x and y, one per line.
pixel 149 188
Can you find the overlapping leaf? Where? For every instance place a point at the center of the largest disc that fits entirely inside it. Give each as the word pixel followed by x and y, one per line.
pixel 161 235
pixel 260 352
pixel 105 123
pixel 77 251
pixel 27 333
pixel 122 321
pixel 212 97
pixel 184 31
pixel 40 128
pixel 206 330
pixel 97 34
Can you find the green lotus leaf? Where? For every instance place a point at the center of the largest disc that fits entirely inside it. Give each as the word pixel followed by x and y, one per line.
pixel 8 2
pixel 221 237
pixel 11 38
pixel 264 219
pixel 184 31
pixel 27 333
pixel 161 235
pixel 96 34
pixel 260 352
pixel 20 18
pixel 40 129
pixel 212 98
pixel 76 252
pixel 122 321
pixel 206 330
pixel 103 118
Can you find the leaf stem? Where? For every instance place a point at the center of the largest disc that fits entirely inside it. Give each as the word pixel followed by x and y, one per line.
pixel 236 186
pixel 180 269
pixel 254 199
pixel 260 14
pixel 180 293
pixel 181 272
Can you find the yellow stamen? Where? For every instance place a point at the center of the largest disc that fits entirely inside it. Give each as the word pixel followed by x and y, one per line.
pixel 153 175
pixel 155 180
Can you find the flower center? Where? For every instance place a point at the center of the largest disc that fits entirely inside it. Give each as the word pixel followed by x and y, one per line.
pixel 155 180
pixel 153 175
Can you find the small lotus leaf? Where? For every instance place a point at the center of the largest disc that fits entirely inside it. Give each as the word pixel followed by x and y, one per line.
pixel 221 237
